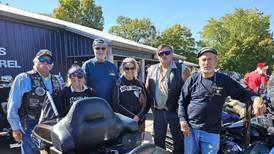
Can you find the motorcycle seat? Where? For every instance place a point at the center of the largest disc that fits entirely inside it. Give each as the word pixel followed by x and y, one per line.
pixel 43 130
pixel 89 123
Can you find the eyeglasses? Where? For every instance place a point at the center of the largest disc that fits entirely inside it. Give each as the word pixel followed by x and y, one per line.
pixel 43 60
pixel 100 48
pixel 164 53
pixel 129 68
pixel 77 74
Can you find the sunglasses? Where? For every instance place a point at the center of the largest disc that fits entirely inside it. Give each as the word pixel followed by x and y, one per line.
pixel 100 48
pixel 77 74
pixel 129 68
pixel 43 60
pixel 164 53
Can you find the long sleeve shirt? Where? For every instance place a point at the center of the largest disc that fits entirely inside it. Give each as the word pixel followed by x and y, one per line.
pixel 126 98
pixel 69 96
pixel 21 85
pixel 254 81
pixel 202 100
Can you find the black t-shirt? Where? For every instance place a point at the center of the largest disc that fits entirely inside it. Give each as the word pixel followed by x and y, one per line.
pixel 202 100
pixel 127 101
pixel 69 97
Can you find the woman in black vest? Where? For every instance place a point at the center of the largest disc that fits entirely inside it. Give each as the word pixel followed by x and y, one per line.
pixel 75 88
pixel 130 96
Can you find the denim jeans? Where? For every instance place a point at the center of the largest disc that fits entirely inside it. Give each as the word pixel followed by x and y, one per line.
pixel 27 146
pixel 161 119
pixel 272 151
pixel 199 141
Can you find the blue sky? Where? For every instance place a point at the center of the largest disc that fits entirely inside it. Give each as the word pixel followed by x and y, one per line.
pixel 163 13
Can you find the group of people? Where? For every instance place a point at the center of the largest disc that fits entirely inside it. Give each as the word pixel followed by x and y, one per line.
pixel 189 104
pixel 33 92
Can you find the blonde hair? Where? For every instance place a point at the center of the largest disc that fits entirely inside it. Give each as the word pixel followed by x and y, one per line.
pixel 132 61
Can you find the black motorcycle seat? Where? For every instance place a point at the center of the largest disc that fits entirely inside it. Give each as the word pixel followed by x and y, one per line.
pixel 89 123
pixel 43 131
pixel 126 123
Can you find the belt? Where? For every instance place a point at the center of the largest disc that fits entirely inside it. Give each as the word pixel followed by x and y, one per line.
pixel 163 109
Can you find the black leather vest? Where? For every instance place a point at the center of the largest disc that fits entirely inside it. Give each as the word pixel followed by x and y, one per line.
pixel 33 100
pixel 175 84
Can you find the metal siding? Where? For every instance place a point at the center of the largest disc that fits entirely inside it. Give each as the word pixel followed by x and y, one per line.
pixel 22 41
pixel 78 45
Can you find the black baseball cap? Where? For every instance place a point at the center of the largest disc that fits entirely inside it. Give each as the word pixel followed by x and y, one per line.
pixel 206 49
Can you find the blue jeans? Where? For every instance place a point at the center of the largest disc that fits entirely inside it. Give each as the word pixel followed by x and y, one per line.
pixel 199 141
pixel 272 151
pixel 161 119
pixel 27 146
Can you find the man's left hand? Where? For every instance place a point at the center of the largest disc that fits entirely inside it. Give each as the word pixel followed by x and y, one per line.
pixel 258 106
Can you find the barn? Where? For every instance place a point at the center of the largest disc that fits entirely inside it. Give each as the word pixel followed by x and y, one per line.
pixel 23 33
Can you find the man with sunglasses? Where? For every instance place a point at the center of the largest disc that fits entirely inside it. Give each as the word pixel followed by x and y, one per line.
pixel 101 74
pixel 201 103
pixel 28 97
pixel 164 83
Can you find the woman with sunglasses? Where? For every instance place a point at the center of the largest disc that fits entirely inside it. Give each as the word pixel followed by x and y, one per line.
pixel 129 94
pixel 75 88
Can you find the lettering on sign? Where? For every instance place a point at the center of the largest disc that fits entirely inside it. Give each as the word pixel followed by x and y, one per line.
pixel 2 51
pixel 7 63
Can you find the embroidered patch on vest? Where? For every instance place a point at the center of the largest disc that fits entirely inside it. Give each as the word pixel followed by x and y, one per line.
pixel 40 91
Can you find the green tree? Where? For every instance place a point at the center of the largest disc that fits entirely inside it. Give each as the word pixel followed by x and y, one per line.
pixel 242 39
pixel 138 30
pixel 83 12
pixel 180 38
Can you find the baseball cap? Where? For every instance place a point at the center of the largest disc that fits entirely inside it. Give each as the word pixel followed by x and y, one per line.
pixel 206 49
pixel 99 41
pixel 43 52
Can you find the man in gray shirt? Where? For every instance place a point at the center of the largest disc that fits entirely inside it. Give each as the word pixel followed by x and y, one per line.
pixel 164 83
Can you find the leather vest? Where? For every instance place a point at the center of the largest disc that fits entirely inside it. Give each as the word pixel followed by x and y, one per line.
pixel 175 83
pixel 34 100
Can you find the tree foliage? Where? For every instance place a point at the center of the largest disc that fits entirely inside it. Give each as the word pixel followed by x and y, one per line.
pixel 180 38
pixel 138 30
pixel 83 12
pixel 242 39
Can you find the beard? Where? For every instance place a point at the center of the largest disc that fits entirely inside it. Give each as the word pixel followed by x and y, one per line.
pixel 208 69
pixel 44 68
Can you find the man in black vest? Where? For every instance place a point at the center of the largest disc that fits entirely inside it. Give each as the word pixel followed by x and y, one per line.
pixel 28 96
pixel 164 83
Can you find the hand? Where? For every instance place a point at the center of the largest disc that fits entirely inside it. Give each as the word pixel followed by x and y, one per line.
pixel 136 118
pixel 258 106
pixel 17 135
pixel 185 127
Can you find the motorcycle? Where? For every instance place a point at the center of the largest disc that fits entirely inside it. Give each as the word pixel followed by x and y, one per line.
pixel 5 84
pixel 7 143
pixel 91 127
pixel 248 135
